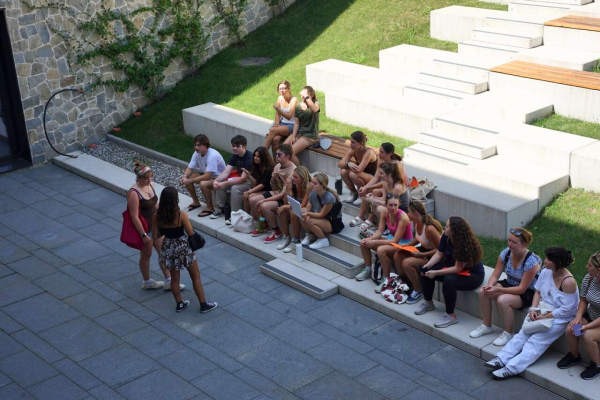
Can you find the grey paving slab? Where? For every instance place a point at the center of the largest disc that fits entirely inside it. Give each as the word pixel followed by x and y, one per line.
pixel 187 364
pixel 103 392
pixel 26 220
pixel 81 251
pixel 76 274
pixel 9 252
pixel 210 240
pixel 8 183
pixel 8 204
pixel 216 275
pixel 262 384
pixel 15 288
pixel 252 276
pixel 60 285
pixel 291 313
pixel 116 224
pixel 422 394
pixel 139 310
pixel 160 384
pixel 9 325
pixel 9 346
pixel 5 271
pixel 52 208
pixel 38 346
pixel 131 286
pixel 342 358
pixel 49 258
pixel 41 312
pixel 32 268
pixel 42 189
pixel 236 259
pixel 14 392
pixel 221 385
pixel 98 231
pixel 77 374
pixel 343 338
pixel 285 365
pixel 22 242
pixel 91 304
pixel 402 341
pixel 67 201
pixel 18 176
pixel 80 339
pixel 106 291
pixel 350 316
pixel 85 210
pixel 99 198
pixel 114 243
pixel 47 173
pixel 387 383
pixel 120 322
pixel 222 294
pixel 76 220
pixel 396 365
pixel 456 368
pixel 70 186
pixel 4 380
pixel 299 300
pixel 27 195
pixel 119 365
pixel 515 388
pixel 59 384
pixel 26 369
pixel 112 267
pixel 336 386
pixel 297 335
pixel 54 236
pixel 152 342
pixel 252 293
pixel 173 331
pixel 255 313
pixel 4 231
pixel 114 211
pixel 215 355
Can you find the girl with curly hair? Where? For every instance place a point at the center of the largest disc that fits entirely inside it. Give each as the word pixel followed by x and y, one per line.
pixel 457 264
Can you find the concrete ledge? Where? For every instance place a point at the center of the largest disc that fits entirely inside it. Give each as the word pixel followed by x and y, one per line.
pixel 572 38
pixel 561 57
pixel 299 279
pixel 585 167
pixel 146 152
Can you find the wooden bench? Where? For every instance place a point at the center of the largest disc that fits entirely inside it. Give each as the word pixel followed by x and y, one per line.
pixel 576 22
pixel 339 147
pixel 563 76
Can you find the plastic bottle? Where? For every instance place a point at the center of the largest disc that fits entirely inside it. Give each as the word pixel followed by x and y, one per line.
pixel 299 252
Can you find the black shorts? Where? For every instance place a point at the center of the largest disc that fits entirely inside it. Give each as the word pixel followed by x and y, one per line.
pixel 526 298
pixel 337 225
pixel 268 195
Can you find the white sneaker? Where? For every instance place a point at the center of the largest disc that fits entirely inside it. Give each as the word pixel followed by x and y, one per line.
pixel 503 338
pixel 308 239
pixel 357 201
pixel 351 197
pixel 153 285
pixel 285 242
pixel 480 331
pixel 292 244
pixel 446 320
pixel 495 363
pixel 319 244
pixel 502 374
pixel 167 287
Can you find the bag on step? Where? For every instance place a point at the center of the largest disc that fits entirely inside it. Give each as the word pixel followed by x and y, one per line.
pixel 419 192
pixel 241 221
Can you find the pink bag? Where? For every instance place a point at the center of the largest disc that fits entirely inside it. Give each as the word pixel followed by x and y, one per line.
pixel 129 234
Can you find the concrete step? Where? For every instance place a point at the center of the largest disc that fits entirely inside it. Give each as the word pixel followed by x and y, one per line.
pixel 453 83
pixel 334 259
pixel 486 49
pixel 520 24
pixel 421 92
pixel 506 38
pixel 549 10
pixel 560 57
pixel 299 279
pixel 567 2
pixel 455 143
pixel 575 39
pixel 506 108
pixel 434 157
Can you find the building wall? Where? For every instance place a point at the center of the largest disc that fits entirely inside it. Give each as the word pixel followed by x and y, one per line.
pixel 42 65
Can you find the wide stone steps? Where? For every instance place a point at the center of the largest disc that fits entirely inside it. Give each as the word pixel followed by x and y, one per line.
pixel 506 38
pixel 421 92
pixel 453 83
pixel 547 9
pixel 522 24
pixel 561 57
pixel 455 143
pixel 567 2
pixel 477 48
pixel 299 279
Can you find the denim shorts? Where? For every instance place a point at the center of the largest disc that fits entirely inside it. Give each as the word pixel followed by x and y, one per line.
pixel 289 126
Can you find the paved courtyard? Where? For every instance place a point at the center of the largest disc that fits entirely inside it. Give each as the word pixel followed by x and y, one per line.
pixel 75 323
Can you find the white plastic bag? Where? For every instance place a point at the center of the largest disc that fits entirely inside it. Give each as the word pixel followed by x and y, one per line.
pixel 420 192
pixel 241 221
pixel 530 327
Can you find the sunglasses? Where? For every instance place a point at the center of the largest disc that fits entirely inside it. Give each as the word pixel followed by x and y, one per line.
pixel 515 232
pixel 279 154
pixel 393 196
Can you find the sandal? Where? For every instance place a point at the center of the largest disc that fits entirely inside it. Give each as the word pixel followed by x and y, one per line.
pixel 192 207
pixel 205 213
pixel 356 221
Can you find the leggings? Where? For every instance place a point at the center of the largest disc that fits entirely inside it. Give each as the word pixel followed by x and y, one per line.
pixel 450 285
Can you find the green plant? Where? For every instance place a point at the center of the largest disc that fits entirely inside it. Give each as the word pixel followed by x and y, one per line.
pixel 596 68
pixel 231 16
pixel 276 3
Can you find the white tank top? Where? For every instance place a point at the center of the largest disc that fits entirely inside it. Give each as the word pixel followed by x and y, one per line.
pixel 284 120
pixel 423 239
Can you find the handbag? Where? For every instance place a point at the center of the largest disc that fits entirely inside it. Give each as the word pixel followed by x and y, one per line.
pixel 420 192
pixel 241 221
pixel 530 327
pixel 129 234
pixel 196 241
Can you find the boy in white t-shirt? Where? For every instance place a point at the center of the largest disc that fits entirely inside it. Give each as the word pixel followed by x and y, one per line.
pixel 206 164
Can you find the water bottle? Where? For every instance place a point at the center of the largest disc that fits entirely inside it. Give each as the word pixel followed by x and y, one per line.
pixel 299 252
pixel 339 185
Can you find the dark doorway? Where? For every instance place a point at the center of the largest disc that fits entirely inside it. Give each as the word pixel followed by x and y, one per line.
pixel 14 146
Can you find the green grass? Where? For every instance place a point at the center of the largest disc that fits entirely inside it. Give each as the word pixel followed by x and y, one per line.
pixel 570 125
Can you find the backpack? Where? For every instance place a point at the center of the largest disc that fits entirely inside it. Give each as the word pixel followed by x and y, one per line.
pixel 507 257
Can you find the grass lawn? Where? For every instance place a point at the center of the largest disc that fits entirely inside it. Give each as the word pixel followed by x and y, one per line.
pixel 570 125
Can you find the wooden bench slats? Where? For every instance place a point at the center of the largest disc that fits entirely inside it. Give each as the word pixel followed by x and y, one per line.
pixel 339 147
pixel 576 22
pixel 563 76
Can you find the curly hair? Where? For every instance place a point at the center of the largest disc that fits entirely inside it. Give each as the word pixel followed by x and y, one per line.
pixel 466 245
pixel 168 207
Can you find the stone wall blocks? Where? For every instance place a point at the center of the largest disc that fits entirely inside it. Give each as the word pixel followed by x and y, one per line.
pixel 37 111
pixel 21 45
pixel 44 51
pixel 34 42
pixel 41 14
pixel 35 80
pixel 61 117
pixel 31 102
pixel 53 74
pixel 27 19
pixel 22 33
pixel 95 120
pixel 67 81
pixel 19 58
pixel 44 91
pixel 33 123
pixel 51 63
pixel 37 68
pixel 28 114
pixel 44 32
pixel 72 115
pixel 60 50
pixel 24 70
pixel 29 56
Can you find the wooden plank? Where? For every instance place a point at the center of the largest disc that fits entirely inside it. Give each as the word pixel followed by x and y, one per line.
pixel 339 147
pixel 563 76
pixel 576 22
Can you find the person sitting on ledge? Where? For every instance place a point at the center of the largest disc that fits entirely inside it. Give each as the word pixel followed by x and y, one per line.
pixel 259 176
pixel 299 189
pixel 205 166
pixel 359 172
pixel 586 324
pixel 284 116
pixel 323 213
pixel 556 290
pixel 457 264
pixel 306 123
pixel 516 291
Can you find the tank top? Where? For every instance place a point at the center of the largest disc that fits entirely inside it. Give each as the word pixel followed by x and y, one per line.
pixel 423 239
pixel 371 167
pixel 392 228
pixel 172 233
pixel 147 206
pixel 284 120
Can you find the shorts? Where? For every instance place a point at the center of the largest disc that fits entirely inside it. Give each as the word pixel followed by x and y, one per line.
pixel 268 195
pixel 588 317
pixel 336 225
pixel 289 126
pixel 424 250
pixel 526 298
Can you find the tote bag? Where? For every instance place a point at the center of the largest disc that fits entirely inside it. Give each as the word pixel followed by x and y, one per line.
pixel 129 235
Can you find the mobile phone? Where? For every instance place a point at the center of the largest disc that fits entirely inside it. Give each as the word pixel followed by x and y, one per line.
pixel 577 330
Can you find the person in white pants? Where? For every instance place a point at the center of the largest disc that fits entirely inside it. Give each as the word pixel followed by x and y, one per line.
pixel 557 288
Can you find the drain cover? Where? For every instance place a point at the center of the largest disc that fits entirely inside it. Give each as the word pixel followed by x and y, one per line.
pixel 254 61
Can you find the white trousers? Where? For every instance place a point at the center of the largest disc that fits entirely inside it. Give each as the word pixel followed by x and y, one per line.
pixel 523 350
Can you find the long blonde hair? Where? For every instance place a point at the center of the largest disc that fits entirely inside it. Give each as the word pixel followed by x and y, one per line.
pixel 324 180
pixel 304 174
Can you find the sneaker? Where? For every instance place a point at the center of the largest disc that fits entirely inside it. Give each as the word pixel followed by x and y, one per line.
pixel 308 239
pixel 275 234
pixel 256 233
pixel 495 363
pixel 363 275
pixel 181 306
pixel 319 244
pixel 291 246
pixel 424 307
pixel 351 197
pixel 379 287
pixel 285 242
pixel 446 321
pixel 167 287
pixel 357 201
pixel 228 221
pixel 208 306
pixel 153 285
pixel 568 360
pixel 503 338
pixel 216 214
pixel 591 371
pixel 502 374
pixel 480 331
pixel 414 297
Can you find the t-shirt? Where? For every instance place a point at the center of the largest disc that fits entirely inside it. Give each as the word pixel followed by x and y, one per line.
pixel 212 161
pixel 265 179
pixel 241 162
pixel 590 289
pixel 308 120
pixel 514 276
pixel 280 177
pixel 447 248
pixel 328 198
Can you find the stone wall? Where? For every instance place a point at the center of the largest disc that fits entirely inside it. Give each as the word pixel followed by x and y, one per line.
pixel 42 65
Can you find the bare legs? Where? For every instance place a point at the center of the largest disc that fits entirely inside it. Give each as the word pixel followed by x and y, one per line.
pixel 385 253
pixel 253 203
pixel 301 144
pixel 196 282
pixel 192 190
pixel 506 304
pixel 317 226
pixel 206 187
pixel 410 267
pixel 275 135
pixel 269 211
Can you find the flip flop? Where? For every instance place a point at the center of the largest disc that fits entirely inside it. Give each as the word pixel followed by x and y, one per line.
pixel 192 207
pixel 205 213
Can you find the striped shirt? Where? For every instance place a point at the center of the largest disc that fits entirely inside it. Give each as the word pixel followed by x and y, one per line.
pixel 590 289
